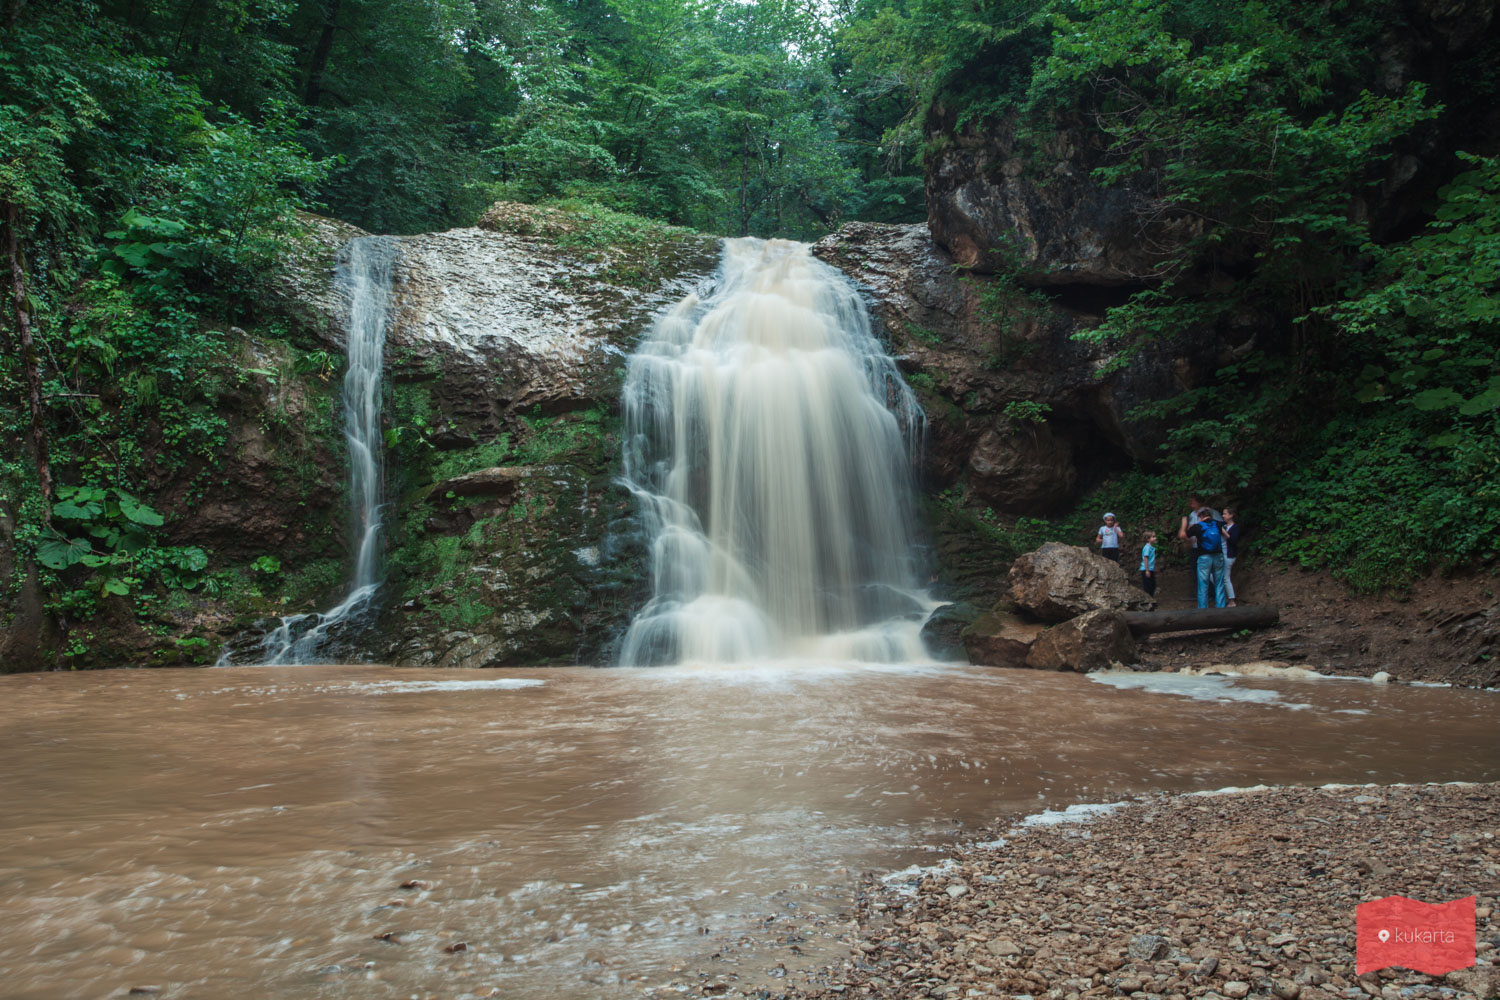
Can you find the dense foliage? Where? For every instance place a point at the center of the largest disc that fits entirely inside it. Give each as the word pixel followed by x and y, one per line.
pixel 1360 416
pixel 155 156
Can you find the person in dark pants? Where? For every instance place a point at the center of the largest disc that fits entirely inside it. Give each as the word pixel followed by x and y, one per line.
pixel 1109 539
pixel 1148 563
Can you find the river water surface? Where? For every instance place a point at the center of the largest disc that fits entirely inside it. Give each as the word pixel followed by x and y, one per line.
pixel 584 833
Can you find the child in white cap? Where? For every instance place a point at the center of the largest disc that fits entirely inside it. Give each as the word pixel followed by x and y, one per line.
pixel 1109 539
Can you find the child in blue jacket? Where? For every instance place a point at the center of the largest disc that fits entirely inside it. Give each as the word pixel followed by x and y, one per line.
pixel 1148 562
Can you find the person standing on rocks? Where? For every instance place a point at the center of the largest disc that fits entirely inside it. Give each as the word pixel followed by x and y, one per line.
pixel 1208 541
pixel 1231 532
pixel 1148 563
pixel 1109 538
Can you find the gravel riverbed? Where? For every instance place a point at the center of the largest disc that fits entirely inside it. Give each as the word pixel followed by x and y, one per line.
pixel 1248 893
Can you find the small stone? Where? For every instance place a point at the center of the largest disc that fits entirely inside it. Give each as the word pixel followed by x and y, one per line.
pixel 144 991
pixel 1380 677
pixel 457 947
pixel 415 884
pixel 1483 912
pixel 1003 948
pixel 958 889
pixel 1286 989
pixel 1236 989
pixel 1147 947
pixel 1207 966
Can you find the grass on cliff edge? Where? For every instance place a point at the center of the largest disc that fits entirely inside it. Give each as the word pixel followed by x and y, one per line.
pixel 582 225
pixel 631 250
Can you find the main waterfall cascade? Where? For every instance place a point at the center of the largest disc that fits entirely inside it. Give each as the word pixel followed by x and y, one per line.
pixel 770 441
pixel 364 283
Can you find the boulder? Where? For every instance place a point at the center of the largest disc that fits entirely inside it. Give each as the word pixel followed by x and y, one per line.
pixel 1058 582
pixel 1000 638
pixel 1092 641
pixel 944 629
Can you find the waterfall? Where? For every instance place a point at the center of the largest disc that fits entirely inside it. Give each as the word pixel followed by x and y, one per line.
pixel 364 283
pixel 769 441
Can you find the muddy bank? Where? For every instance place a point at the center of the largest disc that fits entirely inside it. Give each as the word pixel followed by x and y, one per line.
pixel 1221 895
pixel 1444 630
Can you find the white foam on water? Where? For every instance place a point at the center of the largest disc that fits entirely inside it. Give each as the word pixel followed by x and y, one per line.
pixel 791 671
pixel 1231 790
pixel 906 881
pixel 1079 812
pixel 1210 687
pixel 407 687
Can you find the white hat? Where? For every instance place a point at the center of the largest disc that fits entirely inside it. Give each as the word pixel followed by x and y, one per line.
pixel 1107 515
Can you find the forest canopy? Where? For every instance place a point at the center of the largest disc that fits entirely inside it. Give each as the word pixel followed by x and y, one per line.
pixel 157 158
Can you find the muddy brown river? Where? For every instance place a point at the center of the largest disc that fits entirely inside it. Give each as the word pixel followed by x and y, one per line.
pixel 582 833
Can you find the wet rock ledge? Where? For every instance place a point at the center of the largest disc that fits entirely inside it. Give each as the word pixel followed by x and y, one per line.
pixel 1248 894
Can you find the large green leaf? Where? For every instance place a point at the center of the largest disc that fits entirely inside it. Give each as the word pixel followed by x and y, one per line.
pixel 191 558
pixel 1482 403
pixel 139 512
pixel 72 511
pixel 1436 399
pixel 57 551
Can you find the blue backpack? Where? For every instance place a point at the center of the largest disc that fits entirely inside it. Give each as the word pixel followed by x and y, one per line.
pixel 1212 539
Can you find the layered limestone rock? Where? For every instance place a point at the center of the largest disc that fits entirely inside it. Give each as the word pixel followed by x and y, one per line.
pixel 509 541
pixel 506 354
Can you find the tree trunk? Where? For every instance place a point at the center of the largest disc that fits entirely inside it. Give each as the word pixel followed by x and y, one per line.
pixel 1188 619
pixel 320 55
pixel 30 362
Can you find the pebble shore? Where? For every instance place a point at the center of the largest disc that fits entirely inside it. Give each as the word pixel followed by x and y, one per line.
pixel 1249 893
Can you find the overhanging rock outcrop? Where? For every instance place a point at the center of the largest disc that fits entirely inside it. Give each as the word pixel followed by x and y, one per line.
pixel 1017 405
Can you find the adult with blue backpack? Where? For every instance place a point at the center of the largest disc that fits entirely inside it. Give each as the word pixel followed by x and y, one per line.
pixel 1206 536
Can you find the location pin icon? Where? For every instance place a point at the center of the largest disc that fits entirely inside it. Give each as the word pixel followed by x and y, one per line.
pixel 1384 935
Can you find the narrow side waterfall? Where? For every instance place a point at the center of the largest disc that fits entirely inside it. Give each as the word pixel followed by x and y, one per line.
pixel 770 440
pixel 365 285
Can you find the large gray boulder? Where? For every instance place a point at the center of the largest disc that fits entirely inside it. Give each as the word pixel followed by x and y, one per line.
pixel 1092 641
pixel 1057 582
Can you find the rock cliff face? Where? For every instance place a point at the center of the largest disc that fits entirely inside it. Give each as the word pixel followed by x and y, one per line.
pixel 1015 404
pixel 511 543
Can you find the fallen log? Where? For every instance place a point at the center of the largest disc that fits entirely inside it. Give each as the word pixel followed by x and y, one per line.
pixel 1188 619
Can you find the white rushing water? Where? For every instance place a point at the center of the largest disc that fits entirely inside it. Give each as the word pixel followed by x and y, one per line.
pixel 770 441
pixel 365 285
